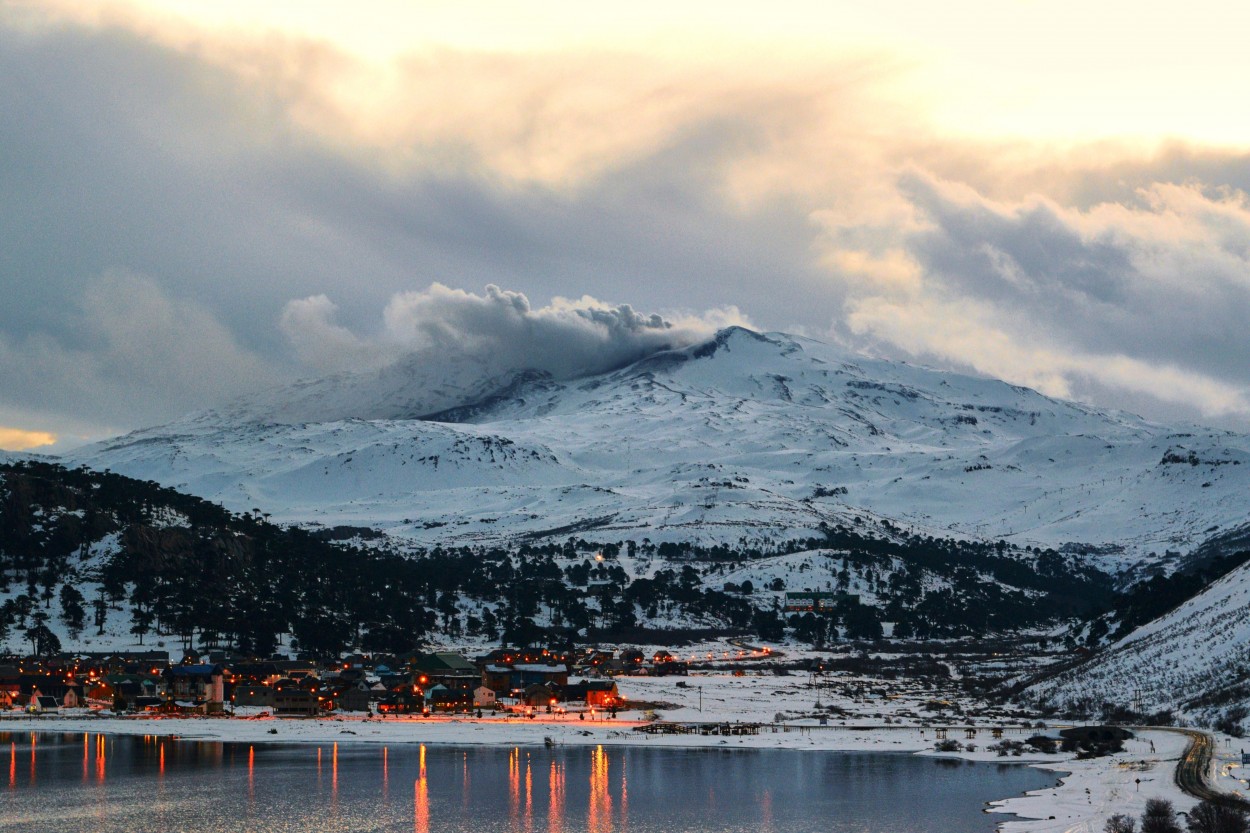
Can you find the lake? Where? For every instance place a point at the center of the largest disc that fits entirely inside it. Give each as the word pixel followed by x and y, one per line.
pixel 64 783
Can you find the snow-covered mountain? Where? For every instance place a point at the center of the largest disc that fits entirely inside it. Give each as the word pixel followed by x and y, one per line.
pixel 746 436
pixel 1194 659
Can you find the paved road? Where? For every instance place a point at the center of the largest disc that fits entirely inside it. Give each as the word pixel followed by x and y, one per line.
pixel 1194 769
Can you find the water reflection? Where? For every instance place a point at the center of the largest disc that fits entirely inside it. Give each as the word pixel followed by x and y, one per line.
pixel 555 798
pixel 421 798
pixel 600 813
pixel 514 783
pixel 92 783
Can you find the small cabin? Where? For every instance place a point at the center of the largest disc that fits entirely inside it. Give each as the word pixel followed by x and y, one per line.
pixel 42 704
pixel 484 697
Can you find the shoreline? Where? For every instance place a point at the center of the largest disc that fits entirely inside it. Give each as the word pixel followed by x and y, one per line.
pixel 1085 793
pixel 450 731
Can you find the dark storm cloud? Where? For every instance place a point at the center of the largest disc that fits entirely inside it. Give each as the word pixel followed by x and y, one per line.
pixel 118 155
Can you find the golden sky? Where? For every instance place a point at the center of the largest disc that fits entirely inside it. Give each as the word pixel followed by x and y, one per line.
pixel 1056 70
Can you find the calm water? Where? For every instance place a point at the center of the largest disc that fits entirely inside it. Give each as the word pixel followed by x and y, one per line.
pixel 63 783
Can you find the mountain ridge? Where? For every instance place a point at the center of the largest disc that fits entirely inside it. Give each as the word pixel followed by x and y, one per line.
pixel 742 436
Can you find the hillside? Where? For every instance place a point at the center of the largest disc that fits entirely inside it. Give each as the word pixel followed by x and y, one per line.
pixel 1193 660
pixel 94 561
pixel 747 438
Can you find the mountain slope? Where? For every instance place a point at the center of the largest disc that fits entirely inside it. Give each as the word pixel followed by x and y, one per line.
pixel 1194 659
pixel 747 436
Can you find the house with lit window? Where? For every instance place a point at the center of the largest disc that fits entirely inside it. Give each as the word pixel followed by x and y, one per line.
pixel 201 685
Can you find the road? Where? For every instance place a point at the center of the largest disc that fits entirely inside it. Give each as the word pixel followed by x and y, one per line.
pixel 1194 769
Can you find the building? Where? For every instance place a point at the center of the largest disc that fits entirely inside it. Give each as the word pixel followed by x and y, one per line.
pixel 484 697
pixel 74 698
pixel 445 668
pixel 603 693
pixel 42 704
pixel 199 684
pixel 348 698
pixel 503 679
pixel 819 602
pixel 441 698
pixel 252 694
pixel 402 702
pixel 296 701
pixel 539 695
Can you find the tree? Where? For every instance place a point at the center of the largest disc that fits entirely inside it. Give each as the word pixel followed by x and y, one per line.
pixel 73 614
pixel 142 618
pixel 42 640
pixel 1209 817
pixel 1160 817
pixel 862 623
pixel 1120 823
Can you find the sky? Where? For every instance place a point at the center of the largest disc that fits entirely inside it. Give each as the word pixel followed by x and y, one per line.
pixel 203 200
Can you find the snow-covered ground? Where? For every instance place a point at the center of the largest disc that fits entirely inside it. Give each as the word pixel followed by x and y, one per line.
pixel 746 439
pixel 1200 648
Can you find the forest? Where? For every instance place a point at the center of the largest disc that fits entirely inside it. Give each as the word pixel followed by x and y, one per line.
pixel 82 549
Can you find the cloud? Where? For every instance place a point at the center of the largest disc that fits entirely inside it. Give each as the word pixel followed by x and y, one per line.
pixel 497 331
pixel 1139 300
pixel 322 344
pixel 127 352
pixel 236 174
pixel 16 439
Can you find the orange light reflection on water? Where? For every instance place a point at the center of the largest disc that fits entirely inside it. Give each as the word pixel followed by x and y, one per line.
pixel 599 815
pixel 555 799
pixel 529 795
pixel 12 764
pixel 514 786
pixel 421 799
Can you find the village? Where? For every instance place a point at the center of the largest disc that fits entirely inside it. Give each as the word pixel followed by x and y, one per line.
pixel 697 688
pixel 526 681
pixel 420 683
pixel 721 694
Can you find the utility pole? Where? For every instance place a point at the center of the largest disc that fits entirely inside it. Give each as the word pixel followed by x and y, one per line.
pixel 700 699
